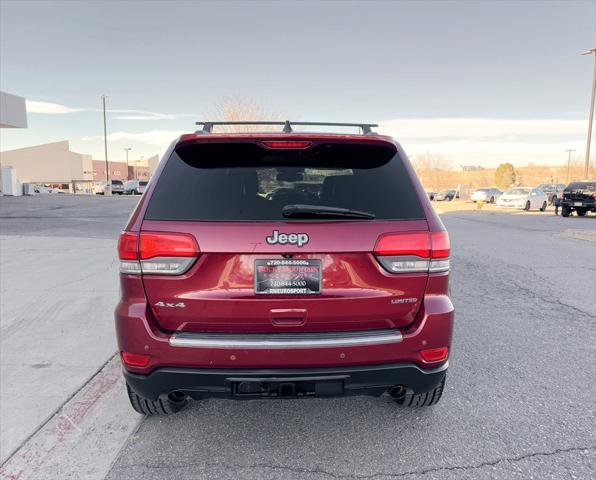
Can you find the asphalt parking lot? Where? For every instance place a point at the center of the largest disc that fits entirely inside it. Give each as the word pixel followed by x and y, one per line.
pixel 519 401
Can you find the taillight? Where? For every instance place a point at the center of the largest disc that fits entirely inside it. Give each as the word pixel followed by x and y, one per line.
pixel 440 250
pixel 156 253
pixel 155 244
pixel 414 252
pixel 293 144
pixel 128 246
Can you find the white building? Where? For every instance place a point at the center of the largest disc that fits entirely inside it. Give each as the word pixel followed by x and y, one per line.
pixel 13 114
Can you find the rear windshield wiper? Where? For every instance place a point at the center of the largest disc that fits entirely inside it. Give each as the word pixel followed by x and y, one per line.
pixel 322 211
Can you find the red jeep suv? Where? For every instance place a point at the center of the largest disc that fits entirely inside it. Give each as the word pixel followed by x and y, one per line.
pixel 284 264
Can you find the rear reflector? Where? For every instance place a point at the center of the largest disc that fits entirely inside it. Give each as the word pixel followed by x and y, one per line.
pixel 432 355
pixel 135 359
pixel 295 144
pixel 157 253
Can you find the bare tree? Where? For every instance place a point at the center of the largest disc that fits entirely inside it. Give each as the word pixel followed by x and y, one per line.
pixel 430 167
pixel 241 109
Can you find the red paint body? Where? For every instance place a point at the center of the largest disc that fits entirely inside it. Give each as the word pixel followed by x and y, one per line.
pixel 218 290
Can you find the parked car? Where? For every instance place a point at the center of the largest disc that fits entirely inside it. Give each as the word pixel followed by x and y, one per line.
pixel 446 195
pixel 134 187
pixel 552 190
pixel 579 197
pixel 225 293
pixel 431 195
pixel 488 195
pixel 523 197
pixel 117 187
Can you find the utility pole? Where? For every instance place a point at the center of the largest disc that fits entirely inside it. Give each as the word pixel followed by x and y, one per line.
pixel 127 149
pixel 591 51
pixel 569 150
pixel 108 190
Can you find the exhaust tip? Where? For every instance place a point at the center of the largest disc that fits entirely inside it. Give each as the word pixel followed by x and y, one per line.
pixel 397 392
pixel 177 396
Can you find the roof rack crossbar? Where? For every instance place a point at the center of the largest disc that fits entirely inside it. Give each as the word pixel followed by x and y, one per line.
pixel 287 125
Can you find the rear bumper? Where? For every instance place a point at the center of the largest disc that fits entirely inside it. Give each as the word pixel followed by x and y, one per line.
pixel 138 333
pixel 259 383
pixel 510 205
pixel 578 204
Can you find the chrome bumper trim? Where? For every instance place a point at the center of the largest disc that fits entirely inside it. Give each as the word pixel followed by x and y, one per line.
pixel 285 340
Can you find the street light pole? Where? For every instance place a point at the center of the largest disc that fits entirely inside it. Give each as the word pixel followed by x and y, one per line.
pixel 569 150
pixel 127 149
pixel 108 190
pixel 591 51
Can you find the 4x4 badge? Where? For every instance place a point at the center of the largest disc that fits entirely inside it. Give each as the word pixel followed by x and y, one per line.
pixel 170 305
pixel 276 238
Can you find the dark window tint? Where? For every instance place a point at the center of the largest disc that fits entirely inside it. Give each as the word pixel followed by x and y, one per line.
pixel 244 182
pixel 582 186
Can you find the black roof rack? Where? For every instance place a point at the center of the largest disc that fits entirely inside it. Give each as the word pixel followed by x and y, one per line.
pixel 365 127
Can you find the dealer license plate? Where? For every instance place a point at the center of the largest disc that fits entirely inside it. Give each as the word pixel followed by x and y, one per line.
pixel 288 277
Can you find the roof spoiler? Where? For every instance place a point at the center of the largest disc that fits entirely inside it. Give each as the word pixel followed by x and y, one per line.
pixel 287 125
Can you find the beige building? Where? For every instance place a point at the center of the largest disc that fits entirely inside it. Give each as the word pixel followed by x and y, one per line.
pixel 49 163
pixel 55 165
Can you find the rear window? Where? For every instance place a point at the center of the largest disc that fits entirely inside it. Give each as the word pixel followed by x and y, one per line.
pixel 246 182
pixel 143 183
pixel 582 186
pixel 518 191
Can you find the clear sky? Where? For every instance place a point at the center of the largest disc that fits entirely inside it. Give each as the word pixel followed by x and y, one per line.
pixel 473 82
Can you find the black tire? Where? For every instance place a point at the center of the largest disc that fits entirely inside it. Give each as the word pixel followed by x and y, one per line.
pixel 580 212
pixel 543 208
pixel 565 211
pixel 492 200
pixel 423 399
pixel 528 205
pixel 552 200
pixel 161 406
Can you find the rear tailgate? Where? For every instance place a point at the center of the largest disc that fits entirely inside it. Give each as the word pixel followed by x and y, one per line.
pixel 218 292
pixel 231 195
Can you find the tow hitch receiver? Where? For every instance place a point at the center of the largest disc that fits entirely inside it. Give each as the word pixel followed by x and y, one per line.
pixel 288 387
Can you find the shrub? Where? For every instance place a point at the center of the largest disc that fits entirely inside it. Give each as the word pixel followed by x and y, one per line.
pixel 505 175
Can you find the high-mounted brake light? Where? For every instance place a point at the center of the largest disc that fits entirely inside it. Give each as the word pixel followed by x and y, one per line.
pixel 414 252
pixel 290 144
pixel 157 253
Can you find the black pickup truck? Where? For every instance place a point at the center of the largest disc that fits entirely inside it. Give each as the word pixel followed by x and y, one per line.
pixel 579 196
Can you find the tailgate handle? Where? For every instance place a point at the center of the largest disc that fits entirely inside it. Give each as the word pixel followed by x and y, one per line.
pixel 288 317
